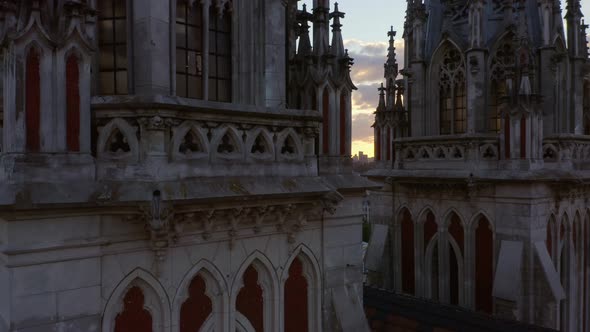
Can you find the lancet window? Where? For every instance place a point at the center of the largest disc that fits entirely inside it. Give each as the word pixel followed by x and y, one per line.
pixel 502 62
pixel 203 51
pixel 452 94
pixel 112 34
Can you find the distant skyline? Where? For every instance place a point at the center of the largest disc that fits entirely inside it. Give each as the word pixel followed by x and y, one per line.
pixel 364 30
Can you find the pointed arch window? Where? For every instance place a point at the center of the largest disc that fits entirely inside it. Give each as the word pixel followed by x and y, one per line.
pixel 112 40
pixel 296 299
pixel 452 94
pixel 219 55
pixel 134 317
pixel 189 50
pixel 502 61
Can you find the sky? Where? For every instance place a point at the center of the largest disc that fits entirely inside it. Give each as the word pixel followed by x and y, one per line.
pixel 365 28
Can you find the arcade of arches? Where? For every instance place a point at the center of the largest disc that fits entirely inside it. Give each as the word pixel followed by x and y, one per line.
pixel 437 258
pixel 198 311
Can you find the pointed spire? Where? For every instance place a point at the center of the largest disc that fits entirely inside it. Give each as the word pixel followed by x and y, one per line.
pixel 391 66
pixel 304 41
pixel 573 17
pixel 337 42
pixel 399 104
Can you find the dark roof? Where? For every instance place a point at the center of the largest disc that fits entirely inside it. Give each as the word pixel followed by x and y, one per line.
pixel 387 311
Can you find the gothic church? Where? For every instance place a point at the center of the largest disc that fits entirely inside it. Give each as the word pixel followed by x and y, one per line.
pixel 484 159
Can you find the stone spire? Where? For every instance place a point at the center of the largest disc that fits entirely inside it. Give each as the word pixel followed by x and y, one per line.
pixel 337 42
pixel 391 66
pixel 304 41
pixel 391 70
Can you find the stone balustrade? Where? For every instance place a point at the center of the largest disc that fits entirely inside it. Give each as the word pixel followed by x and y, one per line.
pixel 567 151
pixel 447 152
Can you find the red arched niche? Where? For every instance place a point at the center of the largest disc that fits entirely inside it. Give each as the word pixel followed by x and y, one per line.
pixel 250 302
pixel 73 103
pixel 484 262
pixel 296 299
pixel 456 232
pixel 407 226
pixel 33 101
pixel 326 122
pixel 197 308
pixel 134 317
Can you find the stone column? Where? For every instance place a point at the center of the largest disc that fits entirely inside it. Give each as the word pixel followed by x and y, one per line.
pixel 151 44
pixel 274 54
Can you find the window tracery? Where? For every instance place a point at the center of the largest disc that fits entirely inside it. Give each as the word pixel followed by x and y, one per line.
pixel 502 62
pixel 189 50
pixel 453 97
pixel 250 301
pixel 112 32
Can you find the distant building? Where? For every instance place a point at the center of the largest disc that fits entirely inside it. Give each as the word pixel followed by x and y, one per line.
pixel 483 152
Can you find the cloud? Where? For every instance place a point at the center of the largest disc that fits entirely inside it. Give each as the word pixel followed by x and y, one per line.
pixel 367 74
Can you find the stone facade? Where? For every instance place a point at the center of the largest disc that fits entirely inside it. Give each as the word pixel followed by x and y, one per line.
pixel 484 161
pixel 155 159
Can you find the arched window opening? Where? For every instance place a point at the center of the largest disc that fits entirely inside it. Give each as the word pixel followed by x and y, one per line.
pixel 220 70
pixel 453 97
pixel 296 299
pixel 502 62
pixel 33 101
pixel 250 299
pixel 189 50
pixel 72 103
pixel 197 308
pixel 343 123
pixel 326 121
pixel 484 262
pixel 456 231
pixel 496 91
pixel 112 34
pixel 430 228
pixel 408 276
pixel 134 316
pixel 434 273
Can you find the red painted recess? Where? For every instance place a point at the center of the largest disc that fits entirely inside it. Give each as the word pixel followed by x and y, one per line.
pixel 343 124
pixel 134 317
pixel 73 103
pixel 456 230
pixel 507 137
pixel 523 137
pixel 33 101
pixel 408 278
pixel 430 229
pixel 197 308
pixel 250 302
pixel 326 122
pixel 388 143
pixel 296 292
pixel 484 260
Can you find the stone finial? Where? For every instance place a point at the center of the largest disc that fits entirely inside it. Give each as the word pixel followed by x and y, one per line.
pixel 337 42
pixel 303 18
